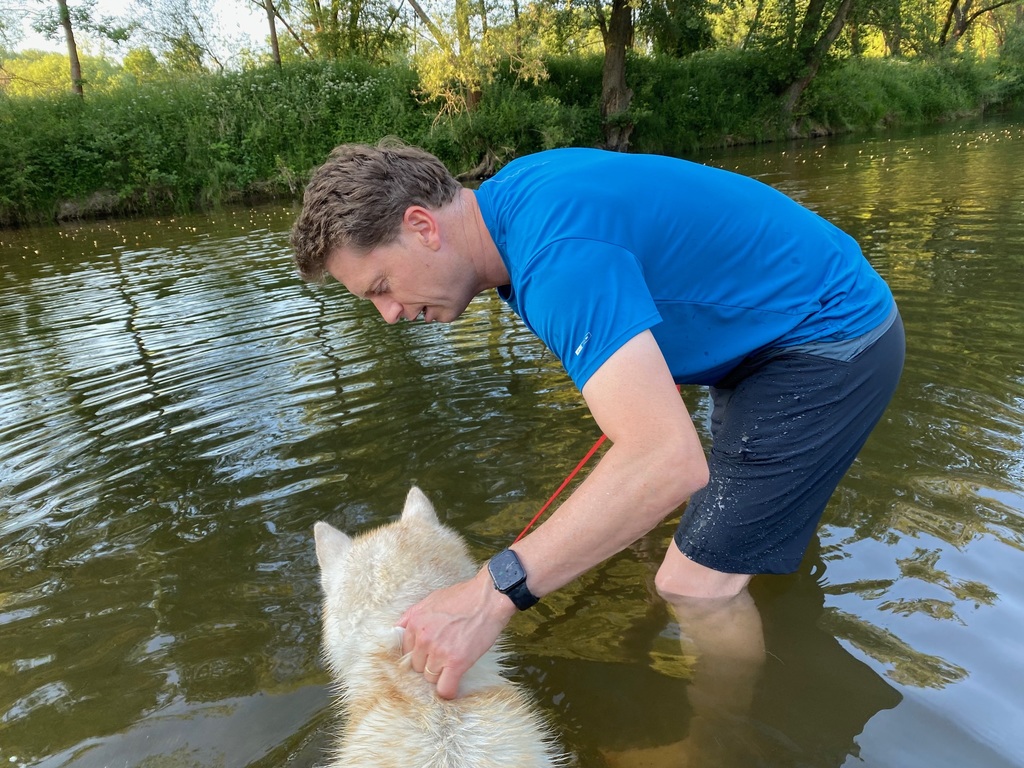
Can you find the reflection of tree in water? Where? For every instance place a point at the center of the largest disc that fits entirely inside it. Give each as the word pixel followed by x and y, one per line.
pixel 158 574
pixel 922 565
pixel 907 665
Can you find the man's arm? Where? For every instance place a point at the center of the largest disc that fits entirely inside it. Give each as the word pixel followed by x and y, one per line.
pixel 654 464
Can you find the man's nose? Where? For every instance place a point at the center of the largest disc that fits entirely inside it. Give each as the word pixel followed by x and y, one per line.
pixel 389 309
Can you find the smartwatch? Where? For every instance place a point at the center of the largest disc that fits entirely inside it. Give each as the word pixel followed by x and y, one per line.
pixel 510 579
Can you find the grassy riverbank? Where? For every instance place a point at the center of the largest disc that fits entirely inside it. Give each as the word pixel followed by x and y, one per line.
pixel 191 142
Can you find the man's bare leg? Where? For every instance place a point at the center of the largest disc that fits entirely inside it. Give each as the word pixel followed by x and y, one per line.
pixel 717 614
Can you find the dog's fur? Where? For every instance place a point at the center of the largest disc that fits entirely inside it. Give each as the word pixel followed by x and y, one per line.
pixel 393 716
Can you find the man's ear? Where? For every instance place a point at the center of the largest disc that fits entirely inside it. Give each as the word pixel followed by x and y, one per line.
pixel 423 223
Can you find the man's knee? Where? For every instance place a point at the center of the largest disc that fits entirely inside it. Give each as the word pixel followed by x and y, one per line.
pixel 679 577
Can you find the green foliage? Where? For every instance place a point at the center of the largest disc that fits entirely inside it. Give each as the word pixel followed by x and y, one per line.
pixel 1006 87
pixel 35 72
pixel 863 93
pixel 1011 61
pixel 515 118
pixel 677 27
pixel 154 140
pixel 575 80
pixel 717 97
pixel 140 65
pixel 180 142
pixel 184 54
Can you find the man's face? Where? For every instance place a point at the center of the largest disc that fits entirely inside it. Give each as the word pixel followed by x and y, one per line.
pixel 408 278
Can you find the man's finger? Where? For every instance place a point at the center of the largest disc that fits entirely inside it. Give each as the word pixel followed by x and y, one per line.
pixel 408 641
pixel 448 683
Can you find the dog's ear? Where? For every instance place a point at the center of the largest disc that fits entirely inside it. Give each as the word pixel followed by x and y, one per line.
pixel 418 508
pixel 331 544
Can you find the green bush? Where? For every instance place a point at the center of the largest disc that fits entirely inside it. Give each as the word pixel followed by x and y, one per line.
pixel 186 141
pixel 515 118
pixel 711 98
pixel 864 93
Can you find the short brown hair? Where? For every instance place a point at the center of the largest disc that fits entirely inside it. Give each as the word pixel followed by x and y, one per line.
pixel 358 197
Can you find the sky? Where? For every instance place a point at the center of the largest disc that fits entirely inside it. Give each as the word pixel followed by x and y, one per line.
pixel 238 19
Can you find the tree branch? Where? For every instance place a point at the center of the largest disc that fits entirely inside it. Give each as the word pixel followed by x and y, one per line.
pixel 295 37
pixel 439 37
pixel 985 10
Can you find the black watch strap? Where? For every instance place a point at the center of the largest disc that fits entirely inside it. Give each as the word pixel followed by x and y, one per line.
pixel 509 578
pixel 522 597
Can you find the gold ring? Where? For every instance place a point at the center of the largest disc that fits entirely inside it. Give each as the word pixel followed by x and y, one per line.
pixel 428 671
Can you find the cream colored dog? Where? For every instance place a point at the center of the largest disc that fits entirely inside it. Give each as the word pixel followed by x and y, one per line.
pixel 393 717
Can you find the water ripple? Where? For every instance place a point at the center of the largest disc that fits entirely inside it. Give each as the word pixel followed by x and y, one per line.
pixel 177 409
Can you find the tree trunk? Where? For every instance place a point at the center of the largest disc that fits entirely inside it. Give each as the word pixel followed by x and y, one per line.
pixel 617 32
pixel 69 35
pixel 815 58
pixel 956 13
pixel 355 40
pixel 893 41
pixel 275 49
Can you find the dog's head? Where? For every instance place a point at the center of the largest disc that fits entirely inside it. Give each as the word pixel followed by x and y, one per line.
pixel 370 580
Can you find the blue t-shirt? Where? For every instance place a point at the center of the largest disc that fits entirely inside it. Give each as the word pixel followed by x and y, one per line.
pixel 601 246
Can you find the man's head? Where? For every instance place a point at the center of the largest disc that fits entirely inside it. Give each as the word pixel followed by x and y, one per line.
pixel 356 200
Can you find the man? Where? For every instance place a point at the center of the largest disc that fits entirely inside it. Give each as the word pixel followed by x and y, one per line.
pixel 640 273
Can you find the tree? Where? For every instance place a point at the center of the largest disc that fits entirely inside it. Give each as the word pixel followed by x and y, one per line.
pixel 460 44
pixel 62 19
pixel 275 48
pixel 69 37
pixel 1007 27
pixel 812 45
pixel 616 24
pixel 36 72
pixel 960 15
pixel 185 32
pixel 676 27
pixel 140 64
pixel 450 68
pixel 338 28
pixel 268 7
pixel 278 12
pixel 887 16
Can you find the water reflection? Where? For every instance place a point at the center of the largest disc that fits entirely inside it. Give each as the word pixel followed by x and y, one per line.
pixel 782 691
pixel 177 409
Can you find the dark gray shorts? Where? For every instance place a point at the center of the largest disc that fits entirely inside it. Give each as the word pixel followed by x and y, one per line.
pixel 785 428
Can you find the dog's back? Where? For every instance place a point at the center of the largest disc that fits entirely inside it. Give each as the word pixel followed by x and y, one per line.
pixel 394 718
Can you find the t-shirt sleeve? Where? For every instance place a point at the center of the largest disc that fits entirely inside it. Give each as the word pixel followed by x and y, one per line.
pixel 584 299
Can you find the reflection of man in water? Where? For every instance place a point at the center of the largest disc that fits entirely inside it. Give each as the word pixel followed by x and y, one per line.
pixel 789 694
pixel 640 273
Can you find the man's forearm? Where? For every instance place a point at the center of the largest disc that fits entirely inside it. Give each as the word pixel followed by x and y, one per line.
pixel 626 496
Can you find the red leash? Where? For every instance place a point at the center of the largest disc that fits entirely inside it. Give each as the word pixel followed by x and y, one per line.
pixel 565 482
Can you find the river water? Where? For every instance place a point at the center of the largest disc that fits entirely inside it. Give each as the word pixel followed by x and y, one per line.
pixel 177 409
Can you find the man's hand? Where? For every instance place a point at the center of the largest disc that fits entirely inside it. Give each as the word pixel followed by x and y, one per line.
pixel 450 629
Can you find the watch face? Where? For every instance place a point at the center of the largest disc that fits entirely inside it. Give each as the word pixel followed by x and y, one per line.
pixel 506 570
